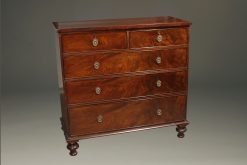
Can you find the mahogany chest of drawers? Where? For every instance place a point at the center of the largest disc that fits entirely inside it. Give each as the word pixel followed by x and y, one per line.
pixel 122 75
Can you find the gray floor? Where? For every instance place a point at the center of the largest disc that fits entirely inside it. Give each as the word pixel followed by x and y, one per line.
pixel 217 134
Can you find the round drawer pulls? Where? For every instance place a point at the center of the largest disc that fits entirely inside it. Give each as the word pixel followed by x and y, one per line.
pixel 159 38
pixel 97 90
pixel 158 83
pixel 100 119
pixel 96 65
pixel 95 42
pixel 159 112
pixel 158 60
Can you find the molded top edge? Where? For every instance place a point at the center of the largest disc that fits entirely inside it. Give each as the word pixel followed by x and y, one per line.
pixel 120 24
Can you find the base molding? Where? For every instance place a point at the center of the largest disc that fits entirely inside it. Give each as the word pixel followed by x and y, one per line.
pixel 179 124
pixel 72 141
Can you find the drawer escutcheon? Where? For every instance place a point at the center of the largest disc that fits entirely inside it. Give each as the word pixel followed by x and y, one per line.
pixel 95 42
pixel 100 119
pixel 158 60
pixel 159 112
pixel 97 90
pixel 96 65
pixel 158 83
pixel 159 38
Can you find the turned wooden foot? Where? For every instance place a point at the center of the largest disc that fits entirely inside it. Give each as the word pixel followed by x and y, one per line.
pixel 181 129
pixel 72 146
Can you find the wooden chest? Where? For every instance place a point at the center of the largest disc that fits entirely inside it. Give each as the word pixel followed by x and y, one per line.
pixel 122 75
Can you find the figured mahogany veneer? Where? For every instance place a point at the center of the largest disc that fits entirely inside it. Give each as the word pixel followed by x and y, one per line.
pixel 124 62
pixel 122 75
pixel 125 86
pixel 123 115
pixel 148 38
pixel 80 42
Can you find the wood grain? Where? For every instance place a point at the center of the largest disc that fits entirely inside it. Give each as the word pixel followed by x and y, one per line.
pixel 148 38
pixel 125 130
pixel 124 61
pixel 124 87
pixel 129 98
pixel 120 24
pixel 83 120
pixel 81 42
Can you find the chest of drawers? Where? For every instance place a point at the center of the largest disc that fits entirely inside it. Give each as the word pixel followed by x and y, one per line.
pixel 122 75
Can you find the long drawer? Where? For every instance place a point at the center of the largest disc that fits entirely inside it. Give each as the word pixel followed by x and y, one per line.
pixel 121 62
pixel 91 90
pixel 92 119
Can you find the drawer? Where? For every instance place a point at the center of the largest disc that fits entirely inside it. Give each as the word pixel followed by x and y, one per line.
pixel 79 42
pixel 124 87
pixel 123 115
pixel 161 37
pixel 121 62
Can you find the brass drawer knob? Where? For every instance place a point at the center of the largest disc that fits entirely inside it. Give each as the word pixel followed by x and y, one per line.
pixel 100 119
pixel 96 65
pixel 95 42
pixel 159 38
pixel 158 60
pixel 158 83
pixel 159 112
pixel 97 90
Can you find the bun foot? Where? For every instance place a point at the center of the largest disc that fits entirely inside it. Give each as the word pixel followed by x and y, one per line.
pixel 72 147
pixel 181 129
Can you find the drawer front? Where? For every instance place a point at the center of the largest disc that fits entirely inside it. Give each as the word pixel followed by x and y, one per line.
pixel 163 37
pixel 120 62
pixel 125 87
pixel 116 116
pixel 80 42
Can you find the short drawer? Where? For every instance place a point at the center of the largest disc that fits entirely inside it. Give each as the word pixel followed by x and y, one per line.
pixel 121 62
pixel 92 119
pixel 80 42
pixel 161 37
pixel 92 90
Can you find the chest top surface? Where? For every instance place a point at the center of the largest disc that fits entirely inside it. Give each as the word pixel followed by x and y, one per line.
pixel 120 24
